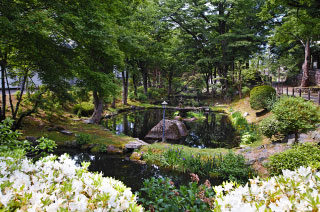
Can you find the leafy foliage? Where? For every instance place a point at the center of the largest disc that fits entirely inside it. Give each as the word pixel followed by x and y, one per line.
pixel 160 194
pixel 83 138
pixel 259 96
pixel 222 167
pixel 295 114
pixel 248 132
pixel 9 142
pixel 299 155
pixel 83 109
pixel 269 126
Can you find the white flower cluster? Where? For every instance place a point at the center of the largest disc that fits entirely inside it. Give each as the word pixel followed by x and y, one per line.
pixel 293 191
pixel 60 185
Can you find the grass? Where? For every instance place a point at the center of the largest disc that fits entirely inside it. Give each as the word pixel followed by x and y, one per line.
pixel 220 164
pixel 160 148
pixel 243 105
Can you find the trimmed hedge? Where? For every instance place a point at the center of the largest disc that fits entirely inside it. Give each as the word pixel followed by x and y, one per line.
pixel 260 95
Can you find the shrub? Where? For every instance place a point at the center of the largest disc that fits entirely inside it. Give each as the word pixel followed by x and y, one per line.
pixel 248 138
pixel 294 191
pixel 299 155
pixel 51 185
pixel 270 102
pixel 233 167
pixel 9 142
pixel 269 126
pixel 160 194
pixel 142 97
pixel 245 91
pixel 83 109
pixel 198 115
pixel 259 96
pixel 156 93
pixel 248 133
pixel 83 138
pixel 295 115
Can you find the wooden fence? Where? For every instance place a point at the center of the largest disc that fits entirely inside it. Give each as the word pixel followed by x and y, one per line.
pixel 312 94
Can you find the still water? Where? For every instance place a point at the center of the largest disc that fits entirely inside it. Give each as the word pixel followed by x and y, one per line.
pixel 215 131
pixel 119 167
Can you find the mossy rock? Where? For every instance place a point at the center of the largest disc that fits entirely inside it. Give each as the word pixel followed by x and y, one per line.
pixel 260 95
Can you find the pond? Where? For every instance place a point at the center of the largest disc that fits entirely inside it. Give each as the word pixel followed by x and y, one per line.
pixel 215 131
pixel 119 167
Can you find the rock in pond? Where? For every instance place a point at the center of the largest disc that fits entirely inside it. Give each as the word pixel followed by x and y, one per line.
pixel 135 144
pixel 114 150
pixel 66 132
pixel 174 130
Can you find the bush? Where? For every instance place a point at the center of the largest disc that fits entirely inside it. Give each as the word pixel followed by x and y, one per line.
pixel 248 133
pixel 248 138
pixel 83 138
pixel 245 91
pixel 291 159
pixel 295 115
pixel 259 96
pixel 9 142
pixel 156 93
pixel 142 97
pixel 60 185
pixel 83 109
pixel 160 194
pixel 269 126
pixel 294 191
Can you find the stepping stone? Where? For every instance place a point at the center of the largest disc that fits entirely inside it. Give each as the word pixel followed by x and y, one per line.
pixel 66 132
pixel 135 144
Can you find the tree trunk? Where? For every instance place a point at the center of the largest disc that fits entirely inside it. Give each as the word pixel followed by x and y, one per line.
pixel 17 124
pixel 135 87
pixel 113 104
pixel 240 82
pixel 125 84
pixel 21 93
pixel 305 66
pixel 98 108
pixel 145 80
pixel 3 90
pixel 10 97
pixel 207 77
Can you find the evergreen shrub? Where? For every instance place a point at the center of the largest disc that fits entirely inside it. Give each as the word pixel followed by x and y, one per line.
pixel 291 159
pixel 259 96
pixel 295 115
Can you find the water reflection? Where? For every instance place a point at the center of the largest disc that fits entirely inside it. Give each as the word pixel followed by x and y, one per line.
pixel 215 131
pixel 120 168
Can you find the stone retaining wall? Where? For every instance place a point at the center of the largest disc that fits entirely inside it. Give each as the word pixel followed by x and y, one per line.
pixel 314 78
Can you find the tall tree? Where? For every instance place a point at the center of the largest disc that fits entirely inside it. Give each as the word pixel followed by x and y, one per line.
pixel 295 21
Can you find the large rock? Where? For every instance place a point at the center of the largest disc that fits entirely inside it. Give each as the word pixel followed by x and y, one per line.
pixel 135 144
pixel 174 130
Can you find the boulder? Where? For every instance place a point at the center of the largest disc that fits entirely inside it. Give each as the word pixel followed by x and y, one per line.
pixel 190 119
pixel 135 144
pixel 66 132
pixel 88 121
pixel 114 150
pixel 174 130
